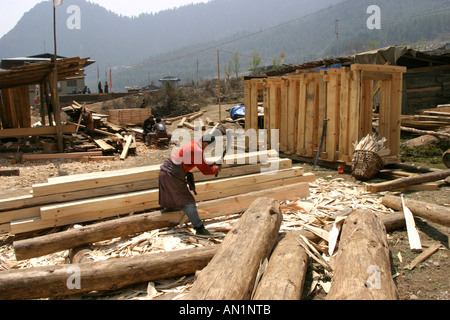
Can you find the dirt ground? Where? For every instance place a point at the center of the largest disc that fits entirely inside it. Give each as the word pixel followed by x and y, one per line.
pixel 428 281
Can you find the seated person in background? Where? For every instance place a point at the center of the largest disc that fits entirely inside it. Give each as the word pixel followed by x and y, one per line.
pixel 160 130
pixel 147 128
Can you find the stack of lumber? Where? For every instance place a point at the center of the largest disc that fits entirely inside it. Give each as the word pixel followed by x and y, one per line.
pixel 428 120
pixel 129 116
pixel 89 197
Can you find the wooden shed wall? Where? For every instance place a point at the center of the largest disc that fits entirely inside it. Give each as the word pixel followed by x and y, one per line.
pixel 15 109
pixel 426 88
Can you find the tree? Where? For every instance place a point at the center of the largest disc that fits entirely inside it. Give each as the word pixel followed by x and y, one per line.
pixel 236 64
pixel 254 64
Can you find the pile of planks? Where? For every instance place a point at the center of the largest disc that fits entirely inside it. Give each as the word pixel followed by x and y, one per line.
pixel 264 254
pixel 429 119
pixel 89 197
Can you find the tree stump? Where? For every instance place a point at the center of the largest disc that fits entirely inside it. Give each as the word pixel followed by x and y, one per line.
pixel 232 272
pixel 285 275
pixel 362 268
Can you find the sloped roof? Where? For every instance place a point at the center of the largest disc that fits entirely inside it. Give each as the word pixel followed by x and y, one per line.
pixel 36 73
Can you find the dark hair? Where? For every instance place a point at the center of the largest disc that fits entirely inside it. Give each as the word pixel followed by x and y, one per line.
pixel 208 138
pixel 158 120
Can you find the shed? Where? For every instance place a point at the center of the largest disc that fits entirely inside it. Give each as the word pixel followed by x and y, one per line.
pixel 14 84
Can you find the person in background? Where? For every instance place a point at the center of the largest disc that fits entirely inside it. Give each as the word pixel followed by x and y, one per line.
pixel 106 87
pixel 147 129
pixel 88 122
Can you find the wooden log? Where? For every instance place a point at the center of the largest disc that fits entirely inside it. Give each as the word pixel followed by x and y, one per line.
pixel 63 280
pixel 429 211
pixel 121 227
pixel 231 274
pixel 285 275
pixel 409 181
pixel 362 268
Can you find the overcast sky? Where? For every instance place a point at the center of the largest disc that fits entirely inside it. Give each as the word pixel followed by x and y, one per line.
pixel 12 10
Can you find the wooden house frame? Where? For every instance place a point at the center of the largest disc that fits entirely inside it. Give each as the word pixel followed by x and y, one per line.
pixel 297 105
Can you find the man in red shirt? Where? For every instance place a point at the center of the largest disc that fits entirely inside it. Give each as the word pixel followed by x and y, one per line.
pixel 173 191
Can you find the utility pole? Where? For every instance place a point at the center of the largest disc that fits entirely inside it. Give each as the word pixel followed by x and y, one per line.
pixel 337 38
pixel 55 94
pixel 218 72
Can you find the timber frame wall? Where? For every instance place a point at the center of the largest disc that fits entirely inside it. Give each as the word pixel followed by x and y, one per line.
pixel 297 105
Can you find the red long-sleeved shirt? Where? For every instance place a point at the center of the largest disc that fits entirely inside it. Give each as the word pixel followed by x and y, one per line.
pixel 191 155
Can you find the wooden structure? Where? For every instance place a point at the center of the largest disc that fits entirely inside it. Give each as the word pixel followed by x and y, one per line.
pixel 14 86
pixel 297 104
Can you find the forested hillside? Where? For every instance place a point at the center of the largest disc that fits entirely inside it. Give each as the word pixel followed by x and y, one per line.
pixel 183 42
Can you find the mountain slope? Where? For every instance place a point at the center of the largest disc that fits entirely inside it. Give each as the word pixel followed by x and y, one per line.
pixel 151 46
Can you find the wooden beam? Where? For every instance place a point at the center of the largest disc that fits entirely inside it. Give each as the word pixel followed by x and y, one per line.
pixel 37 131
pixel 35 247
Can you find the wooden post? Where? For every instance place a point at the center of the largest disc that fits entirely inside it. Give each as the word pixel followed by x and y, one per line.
pixel 362 267
pixel 231 274
pixel 218 79
pixel 55 94
pixel 61 280
pixel 285 275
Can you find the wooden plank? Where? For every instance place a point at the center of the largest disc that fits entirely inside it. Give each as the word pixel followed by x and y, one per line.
pixel 354 112
pixel 70 155
pixel 413 234
pixel 378 68
pixel 122 227
pixel 322 110
pixel 126 147
pixel 395 114
pixel 106 147
pixel 221 188
pixel 302 116
pixel 310 115
pixel 148 175
pixel 333 114
pixel 284 114
pixel 37 131
pixel 344 152
pixel 112 206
